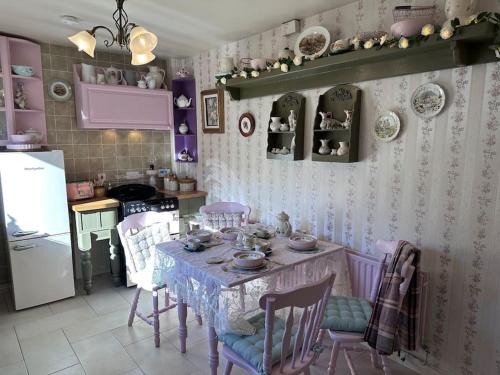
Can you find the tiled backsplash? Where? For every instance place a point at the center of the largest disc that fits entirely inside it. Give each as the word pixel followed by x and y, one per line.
pixel 87 152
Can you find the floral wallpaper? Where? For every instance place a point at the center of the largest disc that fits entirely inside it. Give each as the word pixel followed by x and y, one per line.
pixel 435 185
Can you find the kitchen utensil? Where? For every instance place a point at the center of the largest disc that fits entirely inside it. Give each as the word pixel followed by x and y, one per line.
pixel 249 259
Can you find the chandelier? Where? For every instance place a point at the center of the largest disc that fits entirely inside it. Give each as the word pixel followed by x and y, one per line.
pixel 136 39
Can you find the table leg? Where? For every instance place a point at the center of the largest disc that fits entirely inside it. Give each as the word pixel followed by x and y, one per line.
pixel 182 314
pixel 85 259
pixel 114 256
pixel 213 354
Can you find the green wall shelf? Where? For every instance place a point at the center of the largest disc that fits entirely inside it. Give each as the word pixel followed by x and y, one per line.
pixel 469 46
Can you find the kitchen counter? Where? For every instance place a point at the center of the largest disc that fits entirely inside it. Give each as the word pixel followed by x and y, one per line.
pixel 92 204
pixel 181 195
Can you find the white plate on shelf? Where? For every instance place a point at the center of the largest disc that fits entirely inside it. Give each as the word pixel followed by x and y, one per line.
pixel 23 147
pixel 428 100
pixel 387 127
pixel 312 42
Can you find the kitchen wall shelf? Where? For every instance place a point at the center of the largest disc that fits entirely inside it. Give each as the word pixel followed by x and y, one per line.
pixel 189 141
pixel 15 51
pixel 281 108
pixel 469 46
pixel 336 100
pixel 120 106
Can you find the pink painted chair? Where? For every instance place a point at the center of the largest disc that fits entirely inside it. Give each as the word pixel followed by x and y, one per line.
pixel 226 208
pixel 278 346
pixel 139 233
pixel 346 318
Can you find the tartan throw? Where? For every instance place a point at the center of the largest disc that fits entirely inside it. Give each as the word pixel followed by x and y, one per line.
pixel 389 327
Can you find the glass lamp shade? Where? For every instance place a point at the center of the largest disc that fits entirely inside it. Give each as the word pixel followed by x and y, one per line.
pixel 142 41
pixel 84 41
pixel 142 58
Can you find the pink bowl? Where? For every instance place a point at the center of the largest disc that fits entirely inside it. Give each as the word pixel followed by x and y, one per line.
pixel 249 259
pixel 408 28
pixel 302 242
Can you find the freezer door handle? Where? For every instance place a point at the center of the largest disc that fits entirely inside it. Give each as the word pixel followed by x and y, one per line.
pixel 24 247
pixel 23 233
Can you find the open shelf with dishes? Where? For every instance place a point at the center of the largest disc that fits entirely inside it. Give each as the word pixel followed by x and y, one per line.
pixel 336 125
pixel 285 137
pixel 469 46
pixel 185 126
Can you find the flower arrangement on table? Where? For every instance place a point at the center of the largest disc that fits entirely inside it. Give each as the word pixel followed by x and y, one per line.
pixel 447 31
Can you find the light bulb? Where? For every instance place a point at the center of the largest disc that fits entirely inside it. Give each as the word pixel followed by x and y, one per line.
pixel 84 41
pixel 142 58
pixel 142 40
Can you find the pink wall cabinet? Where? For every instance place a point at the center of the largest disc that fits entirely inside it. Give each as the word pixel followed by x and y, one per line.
pixel 15 51
pixel 121 106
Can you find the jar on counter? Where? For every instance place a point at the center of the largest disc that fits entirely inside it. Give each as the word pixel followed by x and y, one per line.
pixel 171 183
pixel 187 184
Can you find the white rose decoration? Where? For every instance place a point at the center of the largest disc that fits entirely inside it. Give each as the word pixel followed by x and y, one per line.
pixel 427 30
pixel 369 43
pixel 276 65
pixel 235 75
pixel 255 73
pixel 446 32
pixel 403 42
pixel 356 43
pixel 223 80
pixel 297 60
pixel 383 39
pixel 470 19
pixel 243 74
pixel 284 68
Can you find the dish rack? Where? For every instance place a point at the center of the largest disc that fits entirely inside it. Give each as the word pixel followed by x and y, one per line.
pixel 413 12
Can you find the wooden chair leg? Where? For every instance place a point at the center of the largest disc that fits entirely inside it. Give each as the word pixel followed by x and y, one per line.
pixel 321 336
pixel 228 368
pixel 133 309
pixel 167 298
pixel 385 365
pixel 374 358
pixel 156 319
pixel 307 371
pixel 333 359
pixel 199 320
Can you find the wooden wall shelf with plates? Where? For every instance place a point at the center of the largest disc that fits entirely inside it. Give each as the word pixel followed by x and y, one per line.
pixel 469 46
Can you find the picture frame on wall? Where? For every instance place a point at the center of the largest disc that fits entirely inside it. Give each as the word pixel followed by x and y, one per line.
pixel 212 111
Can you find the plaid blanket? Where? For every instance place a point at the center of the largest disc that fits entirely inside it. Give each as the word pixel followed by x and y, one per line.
pixel 391 327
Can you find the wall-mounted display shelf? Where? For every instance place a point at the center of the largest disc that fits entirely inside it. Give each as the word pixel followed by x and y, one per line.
pixel 469 46
pixel 292 139
pixel 120 106
pixel 15 51
pixel 188 141
pixel 338 126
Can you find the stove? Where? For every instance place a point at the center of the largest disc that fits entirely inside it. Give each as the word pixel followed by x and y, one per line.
pixel 136 198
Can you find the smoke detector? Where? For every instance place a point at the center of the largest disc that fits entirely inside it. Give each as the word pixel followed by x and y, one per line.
pixel 70 20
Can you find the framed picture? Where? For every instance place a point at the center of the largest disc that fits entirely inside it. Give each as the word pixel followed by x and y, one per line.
pixel 212 111
pixel 246 124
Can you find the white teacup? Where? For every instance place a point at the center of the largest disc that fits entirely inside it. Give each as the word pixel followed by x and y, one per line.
pixel 193 244
pixel 142 84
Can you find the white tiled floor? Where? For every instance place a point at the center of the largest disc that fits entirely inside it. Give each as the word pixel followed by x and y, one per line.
pixel 89 335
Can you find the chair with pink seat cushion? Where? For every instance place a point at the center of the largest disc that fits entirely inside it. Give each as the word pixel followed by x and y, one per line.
pixel 281 346
pixel 139 234
pixel 225 214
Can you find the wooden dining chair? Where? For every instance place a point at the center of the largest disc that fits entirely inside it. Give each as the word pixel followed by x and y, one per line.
pixel 278 346
pixel 346 318
pixel 226 208
pixel 139 234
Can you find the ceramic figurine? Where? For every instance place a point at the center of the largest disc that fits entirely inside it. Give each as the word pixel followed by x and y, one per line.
pixel 183 73
pixel 275 124
pixel 20 97
pixel 284 127
pixel 183 128
pixel 292 145
pixel 292 120
pixel 326 120
pixel 348 119
pixel 286 53
pixel 343 149
pixel 334 151
pixel 184 155
pixel 284 151
pixel 283 227
pixel 182 101
pixel 324 149
pixel 142 84
pixel 156 74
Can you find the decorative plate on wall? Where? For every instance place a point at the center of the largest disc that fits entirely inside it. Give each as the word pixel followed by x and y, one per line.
pixel 387 127
pixel 312 42
pixel 246 124
pixel 60 90
pixel 428 100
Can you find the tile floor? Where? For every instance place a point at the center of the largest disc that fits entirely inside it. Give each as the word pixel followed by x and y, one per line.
pixel 89 335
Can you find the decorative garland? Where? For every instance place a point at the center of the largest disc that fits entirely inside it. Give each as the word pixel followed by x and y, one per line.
pixel 446 32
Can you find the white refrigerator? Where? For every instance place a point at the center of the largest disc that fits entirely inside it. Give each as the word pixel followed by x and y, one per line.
pixel 34 214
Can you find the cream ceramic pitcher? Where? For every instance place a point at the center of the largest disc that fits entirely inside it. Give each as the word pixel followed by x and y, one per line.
pixel 157 74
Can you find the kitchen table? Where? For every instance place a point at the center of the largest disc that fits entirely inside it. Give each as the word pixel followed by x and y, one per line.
pixel 224 295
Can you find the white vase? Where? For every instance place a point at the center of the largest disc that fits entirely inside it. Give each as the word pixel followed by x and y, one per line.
pixel 275 124
pixel 324 149
pixel 88 73
pixel 183 128
pixel 284 127
pixel 292 120
pixel 343 149
pixel 460 9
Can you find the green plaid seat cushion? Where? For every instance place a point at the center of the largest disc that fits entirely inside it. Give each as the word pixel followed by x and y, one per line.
pixel 348 314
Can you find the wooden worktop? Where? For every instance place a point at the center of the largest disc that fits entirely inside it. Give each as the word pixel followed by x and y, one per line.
pixel 92 204
pixel 185 194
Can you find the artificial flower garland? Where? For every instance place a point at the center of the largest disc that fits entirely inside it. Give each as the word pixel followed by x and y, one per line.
pixel 445 32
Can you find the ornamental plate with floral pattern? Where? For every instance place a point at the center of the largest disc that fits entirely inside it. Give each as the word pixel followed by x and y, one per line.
pixel 387 127
pixel 428 100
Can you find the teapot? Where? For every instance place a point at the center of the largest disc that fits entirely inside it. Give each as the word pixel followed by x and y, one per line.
pixel 182 101
pixel 283 226
pixel 113 76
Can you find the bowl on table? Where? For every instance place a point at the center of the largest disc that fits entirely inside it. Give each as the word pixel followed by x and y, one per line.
pixel 23 70
pixel 249 259
pixel 200 234
pixel 23 138
pixel 262 246
pixel 300 241
pixel 230 233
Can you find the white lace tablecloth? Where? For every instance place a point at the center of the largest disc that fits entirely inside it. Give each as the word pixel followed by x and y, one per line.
pixel 225 297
